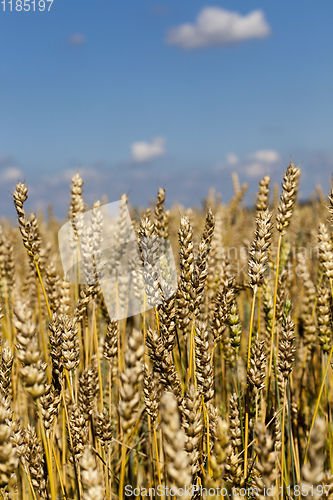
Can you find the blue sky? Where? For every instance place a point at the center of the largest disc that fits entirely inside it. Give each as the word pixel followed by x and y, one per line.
pixel 123 92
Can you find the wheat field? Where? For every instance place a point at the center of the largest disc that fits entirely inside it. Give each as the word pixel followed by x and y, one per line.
pixel 223 390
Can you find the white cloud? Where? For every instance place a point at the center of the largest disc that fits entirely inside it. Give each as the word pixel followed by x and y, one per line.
pixel 145 151
pixel 217 26
pixel 77 39
pixel 260 162
pixel 11 174
pixel 265 155
pixel 255 169
pixel 232 159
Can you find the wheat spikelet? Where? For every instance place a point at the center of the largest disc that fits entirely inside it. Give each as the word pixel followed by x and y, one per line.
pixel 33 459
pixel 258 252
pixel 55 339
pixel 277 433
pixel 324 318
pixel 104 427
pixel 8 453
pixel 262 196
pixel 33 369
pixel 234 472
pixel 193 425
pixel 325 250
pixel 174 443
pixel 29 229
pixel 163 363
pixel 204 366
pixel 65 297
pixel 221 451
pixel 223 302
pixel 309 298
pixel 330 207
pixel 110 347
pixel 167 320
pixel 312 471
pixel 88 389
pixel 50 403
pixel 151 391
pixel 268 312
pixel 150 254
pixel 257 369
pixel 82 304
pixel 184 300
pixel 130 380
pixel 287 347
pixel 76 206
pixel 235 327
pixel 70 347
pixel 159 213
pixel 52 286
pixel 287 198
pixel 78 432
pixel 92 479
pixel 6 365
pixel 265 464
